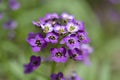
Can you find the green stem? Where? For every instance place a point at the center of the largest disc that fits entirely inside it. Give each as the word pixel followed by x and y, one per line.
pixel 53 67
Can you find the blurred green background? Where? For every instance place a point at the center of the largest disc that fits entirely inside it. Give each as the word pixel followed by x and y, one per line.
pixel 102 26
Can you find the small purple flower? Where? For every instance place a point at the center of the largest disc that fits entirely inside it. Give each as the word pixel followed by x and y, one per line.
pixel 1 16
pixel 58 76
pixel 80 55
pixel 80 24
pixel 36 41
pixel 71 42
pixel 51 16
pixel 87 47
pixel 52 37
pixel 71 27
pixel 35 61
pixel 67 16
pixel 59 54
pixel 10 24
pixel 113 15
pixel 76 54
pixel 28 68
pixel 38 24
pixel 82 37
pixel 74 76
pixel 60 29
pixel 14 5
pixel 33 64
pixel 47 28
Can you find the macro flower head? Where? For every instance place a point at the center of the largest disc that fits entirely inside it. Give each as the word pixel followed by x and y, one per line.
pixel 63 37
pixel 63 30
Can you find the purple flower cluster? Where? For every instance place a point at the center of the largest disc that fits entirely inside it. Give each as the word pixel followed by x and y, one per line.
pixel 60 76
pixel 64 31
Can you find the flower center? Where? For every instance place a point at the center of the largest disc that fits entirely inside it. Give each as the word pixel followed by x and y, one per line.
pixel 52 37
pixel 61 30
pixel 46 29
pixel 80 52
pixel 74 55
pixel 81 38
pixel 58 54
pixel 58 78
pixel 72 28
pixel 35 62
pixel 38 43
pixel 71 41
pixel 73 78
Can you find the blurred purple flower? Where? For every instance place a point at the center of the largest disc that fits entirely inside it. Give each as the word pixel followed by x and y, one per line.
pixel 58 76
pixel 80 55
pixel 36 41
pixel 51 16
pixel 59 54
pixel 115 1
pixel 38 24
pixel 1 16
pixel 35 61
pixel 28 68
pixel 74 76
pixel 67 16
pixel 113 15
pixel 10 24
pixel 32 65
pixel 14 4
pixel 88 48
pixel 82 37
